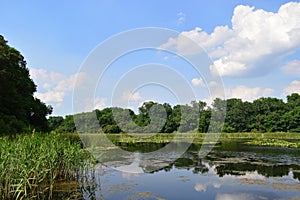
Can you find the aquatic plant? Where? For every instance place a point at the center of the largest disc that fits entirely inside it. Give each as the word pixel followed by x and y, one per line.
pixel 274 142
pixel 30 165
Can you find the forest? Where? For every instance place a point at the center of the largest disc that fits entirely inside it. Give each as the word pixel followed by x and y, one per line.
pixel 266 114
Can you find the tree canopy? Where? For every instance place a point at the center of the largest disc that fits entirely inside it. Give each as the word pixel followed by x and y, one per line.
pixel 261 115
pixel 20 111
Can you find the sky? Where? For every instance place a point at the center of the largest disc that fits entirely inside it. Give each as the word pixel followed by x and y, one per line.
pixel 252 48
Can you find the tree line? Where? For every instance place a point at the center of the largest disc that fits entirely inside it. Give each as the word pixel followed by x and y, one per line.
pixel 265 114
pixel 20 111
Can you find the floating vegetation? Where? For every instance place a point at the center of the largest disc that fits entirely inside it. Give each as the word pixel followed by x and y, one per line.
pixel 98 141
pixel 274 142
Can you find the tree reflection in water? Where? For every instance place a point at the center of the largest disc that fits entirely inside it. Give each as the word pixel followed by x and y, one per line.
pixel 230 164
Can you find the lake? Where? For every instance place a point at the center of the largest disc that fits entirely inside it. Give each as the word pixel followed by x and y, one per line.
pixel 232 170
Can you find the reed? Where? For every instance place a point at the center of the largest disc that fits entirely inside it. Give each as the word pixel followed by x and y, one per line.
pixel 30 165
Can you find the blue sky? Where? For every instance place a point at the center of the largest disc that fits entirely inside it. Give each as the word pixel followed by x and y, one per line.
pixel 255 50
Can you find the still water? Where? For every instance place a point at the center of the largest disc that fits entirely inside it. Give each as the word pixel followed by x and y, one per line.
pixel 232 170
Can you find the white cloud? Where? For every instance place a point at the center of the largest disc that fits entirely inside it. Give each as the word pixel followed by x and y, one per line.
pixel 38 74
pixel 213 84
pixel 257 41
pixel 53 86
pixel 181 17
pixel 252 176
pixel 241 92
pixel 240 196
pixel 292 68
pixel 187 39
pixel 100 103
pixel 246 93
pixel 128 175
pixel 183 45
pixel 200 187
pixel 94 103
pixel 131 97
pixel 267 91
pixel 216 185
pixel 294 87
pixel 51 96
pixel 216 90
pixel 198 82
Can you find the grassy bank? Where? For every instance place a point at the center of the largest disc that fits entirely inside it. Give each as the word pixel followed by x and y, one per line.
pixel 31 165
pixel 99 140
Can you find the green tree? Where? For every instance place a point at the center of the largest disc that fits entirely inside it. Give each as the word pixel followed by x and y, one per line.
pixel 204 120
pixel 189 117
pixel 106 121
pixel 239 116
pixel 218 113
pixel 293 101
pixel 152 117
pixel 54 122
pixel 269 112
pixel 171 124
pixel 68 125
pixel 292 117
pixel 20 111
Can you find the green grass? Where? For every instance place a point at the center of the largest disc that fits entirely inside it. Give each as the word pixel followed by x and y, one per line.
pixel 98 140
pixel 31 165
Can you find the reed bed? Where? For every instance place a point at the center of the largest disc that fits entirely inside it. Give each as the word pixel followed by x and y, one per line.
pixel 30 165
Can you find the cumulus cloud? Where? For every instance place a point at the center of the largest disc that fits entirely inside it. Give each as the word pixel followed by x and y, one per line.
pixel 252 176
pixel 183 45
pixel 53 86
pixel 294 87
pixel 247 93
pixel 292 68
pixel 256 43
pixel 51 96
pixel 241 92
pixel 198 82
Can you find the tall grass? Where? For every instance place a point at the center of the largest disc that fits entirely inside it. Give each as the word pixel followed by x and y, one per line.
pixel 31 165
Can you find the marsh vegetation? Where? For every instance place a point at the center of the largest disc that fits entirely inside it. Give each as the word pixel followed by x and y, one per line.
pixel 31 165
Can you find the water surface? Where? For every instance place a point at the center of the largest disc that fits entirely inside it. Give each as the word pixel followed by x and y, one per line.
pixel 232 170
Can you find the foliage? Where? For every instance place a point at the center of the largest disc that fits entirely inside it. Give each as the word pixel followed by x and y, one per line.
pixel 261 115
pixel 55 122
pixel 20 111
pixel 31 164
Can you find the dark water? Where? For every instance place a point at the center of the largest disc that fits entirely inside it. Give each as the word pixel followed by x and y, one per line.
pixel 231 171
